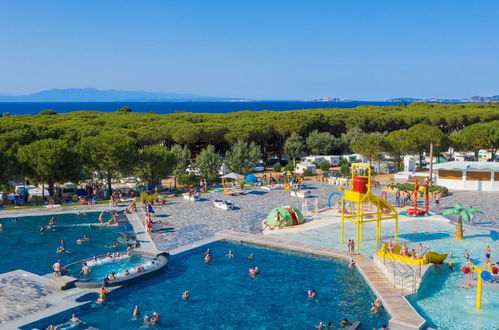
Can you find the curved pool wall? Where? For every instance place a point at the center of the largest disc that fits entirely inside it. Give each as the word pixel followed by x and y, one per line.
pixel 229 298
pixel 130 279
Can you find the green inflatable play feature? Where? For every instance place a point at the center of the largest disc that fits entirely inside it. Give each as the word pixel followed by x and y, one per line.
pixel 284 216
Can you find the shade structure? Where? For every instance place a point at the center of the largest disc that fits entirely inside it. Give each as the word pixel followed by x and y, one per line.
pixel 234 176
pixel 251 178
pixel 285 216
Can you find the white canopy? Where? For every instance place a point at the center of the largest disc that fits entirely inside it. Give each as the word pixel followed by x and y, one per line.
pixel 231 175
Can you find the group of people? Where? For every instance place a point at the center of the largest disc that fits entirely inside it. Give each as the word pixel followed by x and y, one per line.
pixel 343 323
pixel 351 246
pixel 148 320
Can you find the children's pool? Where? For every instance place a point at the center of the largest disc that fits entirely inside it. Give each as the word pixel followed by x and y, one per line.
pixel 105 266
pixel 23 246
pixel 441 300
pixel 224 296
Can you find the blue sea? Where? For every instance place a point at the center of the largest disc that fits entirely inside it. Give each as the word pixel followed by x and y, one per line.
pixel 24 108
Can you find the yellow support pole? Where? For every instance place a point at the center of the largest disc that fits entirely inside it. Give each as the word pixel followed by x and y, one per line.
pixel 479 290
pixel 342 239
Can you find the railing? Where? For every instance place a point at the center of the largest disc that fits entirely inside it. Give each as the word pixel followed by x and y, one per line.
pixel 405 275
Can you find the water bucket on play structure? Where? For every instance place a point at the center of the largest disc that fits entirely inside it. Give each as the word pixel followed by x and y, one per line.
pixel 360 184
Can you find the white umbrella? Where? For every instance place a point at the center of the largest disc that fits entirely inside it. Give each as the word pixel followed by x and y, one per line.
pixel 234 176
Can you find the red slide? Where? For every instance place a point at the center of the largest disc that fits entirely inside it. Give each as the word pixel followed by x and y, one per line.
pixel 293 216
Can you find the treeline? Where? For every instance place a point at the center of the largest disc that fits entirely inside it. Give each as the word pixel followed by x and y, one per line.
pixel 54 147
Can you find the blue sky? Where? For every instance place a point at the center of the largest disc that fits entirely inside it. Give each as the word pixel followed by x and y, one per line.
pixel 274 49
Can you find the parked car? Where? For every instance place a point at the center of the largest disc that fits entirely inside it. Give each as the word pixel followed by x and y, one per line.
pixel 259 167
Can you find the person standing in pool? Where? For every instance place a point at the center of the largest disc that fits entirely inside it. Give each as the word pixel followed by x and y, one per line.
pixel 185 295
pixel 136 313
pixel 466 254
pixel 488 251
pixel 85 270
pixel 101 217
pixel 57 268
pixel 230 254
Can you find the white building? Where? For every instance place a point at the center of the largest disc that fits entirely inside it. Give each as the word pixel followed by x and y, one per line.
pixel 305 166
pixel 464 175
pixel 334 160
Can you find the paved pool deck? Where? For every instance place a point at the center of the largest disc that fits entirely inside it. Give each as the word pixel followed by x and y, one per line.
pixel 147 244
pixel 404 316
pixel 26 297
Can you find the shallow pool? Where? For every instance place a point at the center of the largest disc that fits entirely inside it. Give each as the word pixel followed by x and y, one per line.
pixel 224 296
pixel 23 246
pixel 442 301
pixel 105 266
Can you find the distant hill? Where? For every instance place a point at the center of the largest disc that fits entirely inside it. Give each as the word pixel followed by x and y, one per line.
pixel 108 95
pixel 474 99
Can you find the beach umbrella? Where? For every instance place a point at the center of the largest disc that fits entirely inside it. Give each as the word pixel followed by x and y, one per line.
pixel 287 173
pixel 234 176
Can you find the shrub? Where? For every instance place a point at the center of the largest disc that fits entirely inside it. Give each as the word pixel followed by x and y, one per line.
pixel 345 167
pixel 410 187
pixel 47 112
pixel 324 166
pixel 188 179
pixel 277 167
pixel 307 172
pixel 289 167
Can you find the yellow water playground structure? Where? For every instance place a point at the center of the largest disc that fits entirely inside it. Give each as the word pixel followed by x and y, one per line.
pixel 359 211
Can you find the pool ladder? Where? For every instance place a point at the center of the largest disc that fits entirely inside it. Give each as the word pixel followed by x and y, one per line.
pixel 405 276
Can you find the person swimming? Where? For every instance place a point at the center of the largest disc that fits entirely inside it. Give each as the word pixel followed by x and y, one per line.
pixel 74 319
pixel 312 294
pixel 207 258
pixel 352 263
pixel 111 277
pixel 136 313
pixel 154 318
pixel 101 217
pixel 185 295
pixel 102 295
pixel 251 256
pixel 254 271
pixel 343 323
pixel 127 272
pixel 57 268
pixel 230 254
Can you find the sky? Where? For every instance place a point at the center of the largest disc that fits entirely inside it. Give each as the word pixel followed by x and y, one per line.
pixel 273 49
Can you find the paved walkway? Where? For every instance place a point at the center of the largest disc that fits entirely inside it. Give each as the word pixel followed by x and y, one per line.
pixel 26 297
pixel 143 237
pixel 404 316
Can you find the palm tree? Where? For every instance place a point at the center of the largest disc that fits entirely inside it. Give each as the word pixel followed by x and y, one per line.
pixel 464 214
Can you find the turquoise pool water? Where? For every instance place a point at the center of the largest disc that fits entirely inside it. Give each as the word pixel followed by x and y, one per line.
pixel 23 246
pixel 224 296
pixel 105 266
pixel 441 301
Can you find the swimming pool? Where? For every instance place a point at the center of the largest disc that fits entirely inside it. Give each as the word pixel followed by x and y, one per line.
pixel 105 266
pixel 441 300
pixel 23 246
pixel 224 296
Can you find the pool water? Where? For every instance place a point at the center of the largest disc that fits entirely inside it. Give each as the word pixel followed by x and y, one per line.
pixel 23 246
pixel 105 266
pixel 441 300
pixel 224 296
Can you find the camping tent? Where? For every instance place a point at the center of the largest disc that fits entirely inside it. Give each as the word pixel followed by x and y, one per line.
pixel 288 216
pixel 232 175
pixel 251 178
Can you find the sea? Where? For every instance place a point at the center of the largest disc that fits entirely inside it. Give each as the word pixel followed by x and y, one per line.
pixel 31 108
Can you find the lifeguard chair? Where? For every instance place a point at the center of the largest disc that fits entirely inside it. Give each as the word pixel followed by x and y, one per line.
pixel 359 197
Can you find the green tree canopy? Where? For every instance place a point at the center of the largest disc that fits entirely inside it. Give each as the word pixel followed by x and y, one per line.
pixel 398 145
pixel 111 152
pixel 155 162
pixel 182 160
pixel 321 143
pixel 49 161
pixel 242 157
pixel 124 109
pixel 208 163
pixel 294 146
pixel 371 146
pixel 420 137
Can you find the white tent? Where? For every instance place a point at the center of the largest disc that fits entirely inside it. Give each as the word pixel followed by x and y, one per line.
pixel 234 176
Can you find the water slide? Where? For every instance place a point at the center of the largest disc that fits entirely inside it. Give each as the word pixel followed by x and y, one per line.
pixel 436 258
pixel 293 216
pixel 381 203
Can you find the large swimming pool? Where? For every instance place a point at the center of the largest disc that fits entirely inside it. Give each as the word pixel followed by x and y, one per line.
pixel 23 246
pixel 224 296
pixel 441 300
